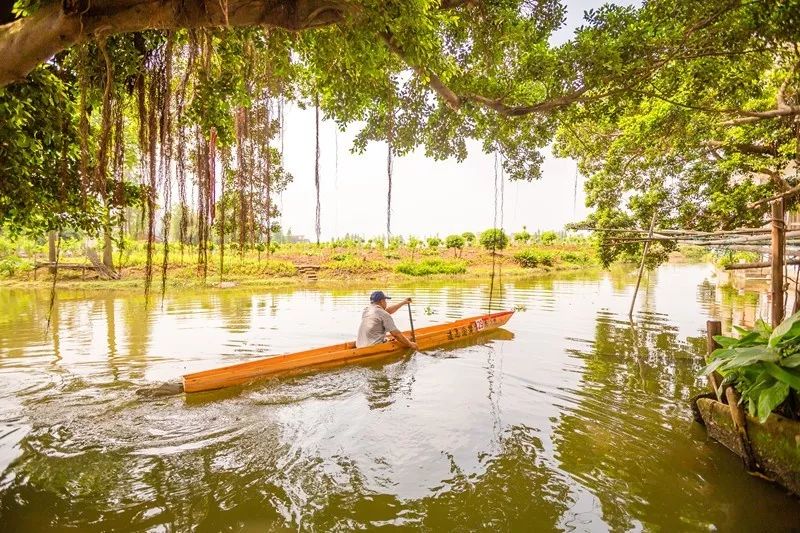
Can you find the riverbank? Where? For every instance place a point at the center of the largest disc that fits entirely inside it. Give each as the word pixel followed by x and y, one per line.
pixel 305 264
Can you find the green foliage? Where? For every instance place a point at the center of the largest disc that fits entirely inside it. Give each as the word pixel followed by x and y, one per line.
pixel 494 239
pixel 762 364
pixel 695 254
pixel 469 237
pixel 350 264
pixel 533 258
pixel 10 266
pixel 431 266
pixel 396 242
pixel 523 236
pixel 548 237
pixel 434 242
pixel 727 258
pixel 577 258
pixel 456 242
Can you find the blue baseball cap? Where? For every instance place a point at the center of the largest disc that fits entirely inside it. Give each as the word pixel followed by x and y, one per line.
pixel 377 296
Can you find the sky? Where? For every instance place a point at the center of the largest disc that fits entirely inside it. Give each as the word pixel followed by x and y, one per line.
pixel 428 197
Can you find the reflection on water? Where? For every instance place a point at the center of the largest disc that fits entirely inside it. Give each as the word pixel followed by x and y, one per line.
pixel 571 418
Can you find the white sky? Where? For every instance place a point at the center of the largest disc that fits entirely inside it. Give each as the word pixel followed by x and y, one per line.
pixel 428 197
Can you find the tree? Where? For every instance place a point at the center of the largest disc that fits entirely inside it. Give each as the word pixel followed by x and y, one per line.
pixel 494 239
pixel 548 237
pixel 430 74
pixel 456 242
pixel 523 236
pixel 708 139
pixel 413 244
pixel 469 237
pixel 434 242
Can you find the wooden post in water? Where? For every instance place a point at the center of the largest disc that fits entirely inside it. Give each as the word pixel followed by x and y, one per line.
pixel 713 327
pixel 778 241
pixel 641 265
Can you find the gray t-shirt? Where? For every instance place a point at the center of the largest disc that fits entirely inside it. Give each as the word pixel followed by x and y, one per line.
pixel 375 324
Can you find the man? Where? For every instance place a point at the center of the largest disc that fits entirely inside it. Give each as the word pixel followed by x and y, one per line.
pixel 376 322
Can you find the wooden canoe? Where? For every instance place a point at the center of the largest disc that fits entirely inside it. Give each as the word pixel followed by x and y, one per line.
pixel 427 337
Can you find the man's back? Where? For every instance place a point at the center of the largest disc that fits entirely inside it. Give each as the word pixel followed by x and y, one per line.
pixel 375 324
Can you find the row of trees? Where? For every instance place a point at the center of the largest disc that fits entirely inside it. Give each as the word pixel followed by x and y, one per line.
pixel 684 111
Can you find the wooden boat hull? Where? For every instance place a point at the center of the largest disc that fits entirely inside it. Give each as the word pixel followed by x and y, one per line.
pixel 775 443
pixel 427 337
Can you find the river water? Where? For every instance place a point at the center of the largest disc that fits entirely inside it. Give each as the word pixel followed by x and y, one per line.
pixel 568 419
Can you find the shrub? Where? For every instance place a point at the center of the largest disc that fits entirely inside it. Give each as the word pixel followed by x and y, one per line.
pixel 355 265
pixel 494 239
pixel 469 237
pixel 431 266
pixel 270 267
pixel 576 258
pixel 11 265
pixel 548 237
pixel 456 242
pixel 532 258
pixel 434 242
pixel 523 236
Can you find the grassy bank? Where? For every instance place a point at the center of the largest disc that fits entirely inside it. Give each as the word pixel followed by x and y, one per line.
pixel 290 264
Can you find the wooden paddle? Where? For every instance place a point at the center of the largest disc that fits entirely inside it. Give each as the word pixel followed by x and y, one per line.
pixel 411 319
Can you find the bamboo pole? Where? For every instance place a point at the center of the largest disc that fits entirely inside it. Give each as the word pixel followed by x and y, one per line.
pixel 641 265
pixel 713 328
pixel 763 264
pixel 778 241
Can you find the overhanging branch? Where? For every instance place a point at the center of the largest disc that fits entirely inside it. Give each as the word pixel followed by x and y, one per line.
pixel 32 40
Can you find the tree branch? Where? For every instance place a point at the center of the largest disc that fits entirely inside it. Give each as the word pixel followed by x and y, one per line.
pixel 745 148
pixel 32 40
pixel 456 101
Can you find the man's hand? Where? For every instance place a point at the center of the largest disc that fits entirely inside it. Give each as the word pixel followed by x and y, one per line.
pixel 407 301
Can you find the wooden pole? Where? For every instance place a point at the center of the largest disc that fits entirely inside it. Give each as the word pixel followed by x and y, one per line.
pixel 411 319
pixel 641 266
pixel 778 237
pixel 713 327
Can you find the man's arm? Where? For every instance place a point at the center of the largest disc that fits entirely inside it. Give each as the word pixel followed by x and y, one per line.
pixel 402 339
pixel 394 307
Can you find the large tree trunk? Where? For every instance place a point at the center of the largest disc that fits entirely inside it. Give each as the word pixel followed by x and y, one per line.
pixel 32 40
pixel 108 250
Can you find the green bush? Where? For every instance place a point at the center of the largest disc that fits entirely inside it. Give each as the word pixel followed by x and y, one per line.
pixel 11 265
pixel 576 258
pixel 355 265
pixel 548 237
pixel 456 242
pixel 494 239
pixel 269 267
pixel 434 242
pixel 431 266
pixel 523 236
pixel 532 258
pixel 469 237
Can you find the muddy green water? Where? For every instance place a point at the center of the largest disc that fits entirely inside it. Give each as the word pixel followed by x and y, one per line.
pixel 569 419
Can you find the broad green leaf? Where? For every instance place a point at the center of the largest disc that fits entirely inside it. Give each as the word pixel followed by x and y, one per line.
pixel 712 366
pixel 764 329
pixel 789 328
pixel 770 398
pixel 790 377
pixel 752 354
pixel 792 361
pixel 726 342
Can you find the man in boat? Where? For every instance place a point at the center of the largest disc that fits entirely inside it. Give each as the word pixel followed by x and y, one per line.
pixel 377 322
